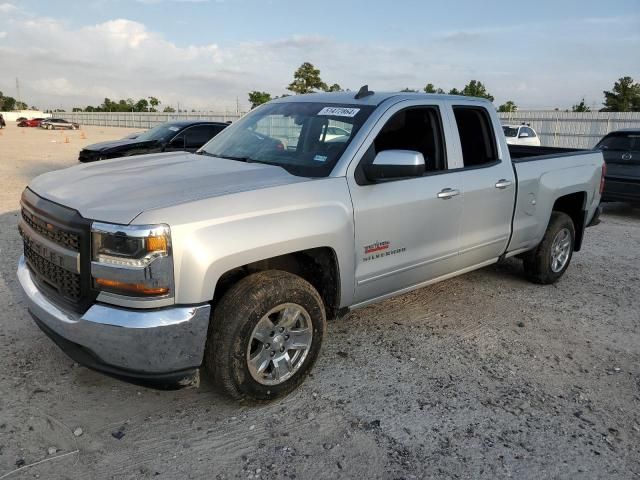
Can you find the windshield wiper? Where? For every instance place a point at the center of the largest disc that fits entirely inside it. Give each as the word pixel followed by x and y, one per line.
pixel 228 157
pixel 238 159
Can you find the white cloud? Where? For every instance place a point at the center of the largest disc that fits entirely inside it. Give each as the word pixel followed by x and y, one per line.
pixel 3 34
pixel 120 58
pixel 7 7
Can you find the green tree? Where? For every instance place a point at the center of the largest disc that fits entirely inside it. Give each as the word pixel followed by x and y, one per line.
pixel 7 103
pixel 623 97
pixel 76 109
pixel 408 90
pixel 508 106
pixel 476 89
pixel 335 88
pixel 455 91
pixel 306 80
pixel 141 105
pixel 581 107
pixel 430 88
pixel 154 102
pixel 258 98
pixel 169 110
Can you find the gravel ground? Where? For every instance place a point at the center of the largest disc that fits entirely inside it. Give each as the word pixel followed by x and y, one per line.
pixel 481 376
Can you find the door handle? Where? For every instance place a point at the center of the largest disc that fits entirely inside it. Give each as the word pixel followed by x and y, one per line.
pixel 448 193
pixel 503 183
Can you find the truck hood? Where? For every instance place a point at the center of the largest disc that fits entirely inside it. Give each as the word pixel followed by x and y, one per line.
pixel 123 144
pixel 119 190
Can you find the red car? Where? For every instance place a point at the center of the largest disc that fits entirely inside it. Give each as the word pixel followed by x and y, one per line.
pixel 34 122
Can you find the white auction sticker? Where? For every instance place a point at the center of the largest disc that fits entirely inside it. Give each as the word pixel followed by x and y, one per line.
pixel 339 111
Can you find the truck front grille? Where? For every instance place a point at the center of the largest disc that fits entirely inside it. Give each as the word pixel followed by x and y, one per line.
pixel 65 283
pixel 46 223
pixel 66 239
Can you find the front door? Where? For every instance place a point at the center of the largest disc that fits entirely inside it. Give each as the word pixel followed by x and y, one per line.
pixel 406 230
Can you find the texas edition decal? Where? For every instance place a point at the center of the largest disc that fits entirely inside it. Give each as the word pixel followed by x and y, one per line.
pixel 379 250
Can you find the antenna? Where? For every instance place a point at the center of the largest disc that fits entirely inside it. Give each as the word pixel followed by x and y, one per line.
pixel 363 92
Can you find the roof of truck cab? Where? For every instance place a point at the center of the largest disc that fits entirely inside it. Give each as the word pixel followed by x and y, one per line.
pixel 185 123
pixel 348 98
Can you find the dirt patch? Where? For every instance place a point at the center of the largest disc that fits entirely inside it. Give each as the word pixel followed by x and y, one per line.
pixel 481 376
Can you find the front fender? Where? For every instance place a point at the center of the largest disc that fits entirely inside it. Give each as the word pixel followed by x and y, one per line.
pixel 212 236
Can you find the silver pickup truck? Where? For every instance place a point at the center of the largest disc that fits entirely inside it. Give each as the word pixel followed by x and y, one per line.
pixel 233 258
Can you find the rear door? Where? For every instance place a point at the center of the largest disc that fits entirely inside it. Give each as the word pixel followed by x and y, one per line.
pixel 406 230
pixel 488 183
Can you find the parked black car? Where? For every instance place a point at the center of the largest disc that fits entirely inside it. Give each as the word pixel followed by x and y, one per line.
pixel 167 137
pixel 621 152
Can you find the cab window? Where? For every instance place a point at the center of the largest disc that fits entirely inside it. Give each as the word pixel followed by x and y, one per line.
pixel 477 138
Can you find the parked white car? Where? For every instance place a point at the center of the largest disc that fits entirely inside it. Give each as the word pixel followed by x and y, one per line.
pixel 521 135
pixel 334 133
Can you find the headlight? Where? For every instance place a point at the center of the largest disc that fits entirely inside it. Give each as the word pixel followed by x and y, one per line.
pixel 132 260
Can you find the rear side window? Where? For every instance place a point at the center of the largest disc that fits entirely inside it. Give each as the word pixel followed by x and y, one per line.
pixel 477 139
pixel 622 142
pixel 199 135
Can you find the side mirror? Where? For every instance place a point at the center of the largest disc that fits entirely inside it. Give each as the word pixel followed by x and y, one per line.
pixel 523 135
pixel 395 164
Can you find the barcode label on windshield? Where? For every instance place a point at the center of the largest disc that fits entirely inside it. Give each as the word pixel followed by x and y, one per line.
pixel 339 111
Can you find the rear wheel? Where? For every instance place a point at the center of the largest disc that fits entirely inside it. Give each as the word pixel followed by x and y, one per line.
pixel 265 336
pixel 548 262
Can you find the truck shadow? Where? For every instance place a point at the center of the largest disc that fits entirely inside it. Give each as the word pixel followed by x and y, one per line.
pixel 621 210
pixel 11 249
pixel 511 268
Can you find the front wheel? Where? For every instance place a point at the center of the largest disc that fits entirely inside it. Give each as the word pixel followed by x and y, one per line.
pixel 548 262
pixel 265 336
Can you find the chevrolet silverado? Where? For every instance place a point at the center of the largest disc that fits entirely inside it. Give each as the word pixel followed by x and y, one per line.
pixel 231 259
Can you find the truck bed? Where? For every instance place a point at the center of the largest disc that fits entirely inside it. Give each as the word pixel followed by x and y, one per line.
pixel 525 153
pixel 558 174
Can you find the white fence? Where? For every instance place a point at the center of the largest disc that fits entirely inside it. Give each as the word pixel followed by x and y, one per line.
pixel 15 114
pixel 572 129
pixel 556 129
pixel 143 119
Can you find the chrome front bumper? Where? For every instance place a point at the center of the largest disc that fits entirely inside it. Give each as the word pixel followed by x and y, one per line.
pixel 145 345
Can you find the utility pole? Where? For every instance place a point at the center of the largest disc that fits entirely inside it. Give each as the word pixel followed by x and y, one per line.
pixel 18 88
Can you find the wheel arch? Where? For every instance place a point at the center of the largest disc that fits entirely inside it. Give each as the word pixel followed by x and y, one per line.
pixel 319 266
pixel 574 205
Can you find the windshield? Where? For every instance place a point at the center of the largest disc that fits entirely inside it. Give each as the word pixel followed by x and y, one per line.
pixel 620 141
pixel 510 131
pixel 306 139
pixel 164 131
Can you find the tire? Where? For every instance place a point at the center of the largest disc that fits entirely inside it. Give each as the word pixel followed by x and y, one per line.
pixel 551 258
pixel 266 317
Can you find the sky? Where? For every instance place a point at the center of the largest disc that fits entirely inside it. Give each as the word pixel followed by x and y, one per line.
pixel 208 54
